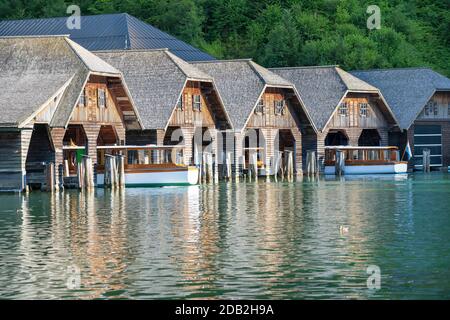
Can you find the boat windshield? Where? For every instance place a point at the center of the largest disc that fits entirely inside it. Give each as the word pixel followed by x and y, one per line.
pixel 144 156
pixel 364 154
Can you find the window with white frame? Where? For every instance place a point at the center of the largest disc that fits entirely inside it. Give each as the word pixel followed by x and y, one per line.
pixel 363 109
pixel 260 107
pixel 82 100
pixel 343 109
pixel 196 102
pixel 101 98
pixel 279 107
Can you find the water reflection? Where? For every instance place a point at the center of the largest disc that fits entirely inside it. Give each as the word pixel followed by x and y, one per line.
pixel 244 240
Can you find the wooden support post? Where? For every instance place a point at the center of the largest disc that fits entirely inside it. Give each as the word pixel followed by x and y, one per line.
pixel 60 173
pixel 254 165
pixel 121 169
pixel 80 175
pixel 114 173
pixel 88 173
pixel 311 162
pixel 426 160
pixel 49 185
pixel 108 165
pixel 66 169
pixel 289 159
pixel 340 163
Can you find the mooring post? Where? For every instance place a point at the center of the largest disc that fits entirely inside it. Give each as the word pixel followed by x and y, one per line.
pixel 49 169
pixel 340 163
pixel 311 162
pixel 121 168
pixel 254 165
pixel 61 177
pixel 88 172
pixel 80 175
pixel 426 160
pixel 107 174
pixel 289 164
pixel 66 169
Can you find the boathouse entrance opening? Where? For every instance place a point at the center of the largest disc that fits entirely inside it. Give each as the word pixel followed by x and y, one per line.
pixel 107 136
pixel 285 142
pixel 336 138
pixel 40 151
pixel 369 138
pixel 74 146
pixel 201 143
pixel 254 144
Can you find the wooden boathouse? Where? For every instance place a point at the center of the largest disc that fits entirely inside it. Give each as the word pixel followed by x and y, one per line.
pixel 420 99
pixel 178 103
pixel 59 102
pixel 346 110
pixel 266 112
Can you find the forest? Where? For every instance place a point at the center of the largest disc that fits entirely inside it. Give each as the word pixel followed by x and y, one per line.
pixel 285 32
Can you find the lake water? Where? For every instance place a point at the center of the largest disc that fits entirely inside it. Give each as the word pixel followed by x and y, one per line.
pixel 276 240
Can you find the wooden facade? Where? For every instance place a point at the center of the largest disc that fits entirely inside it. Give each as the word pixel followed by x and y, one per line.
pixel 361 119
pixel 272 127
pixel 194 122
pixel 97 119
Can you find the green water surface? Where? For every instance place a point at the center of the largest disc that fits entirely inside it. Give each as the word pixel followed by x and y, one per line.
pixel 276 240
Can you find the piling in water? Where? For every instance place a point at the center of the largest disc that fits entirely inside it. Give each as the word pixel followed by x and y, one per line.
pixel 289 164
pixel 340 163
pixel 121 170
pixel 311 162
pixel 88 173
pixel 426 160
pixel 49 185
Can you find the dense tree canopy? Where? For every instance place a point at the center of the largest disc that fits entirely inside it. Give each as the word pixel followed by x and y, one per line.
pixel 286 32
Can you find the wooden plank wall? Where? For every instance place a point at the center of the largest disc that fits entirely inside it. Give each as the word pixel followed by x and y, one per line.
pixel 442 101
pixel 188 116
pixel 374 120
pixel 13 153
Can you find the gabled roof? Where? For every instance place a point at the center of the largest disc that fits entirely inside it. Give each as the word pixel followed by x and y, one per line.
pixel 34 69
pixel 106 32
pixel 241 84
pixel 406 90
pixel 156 79
pixel 322 89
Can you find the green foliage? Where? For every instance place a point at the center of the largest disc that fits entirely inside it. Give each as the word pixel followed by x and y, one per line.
pixel 286 32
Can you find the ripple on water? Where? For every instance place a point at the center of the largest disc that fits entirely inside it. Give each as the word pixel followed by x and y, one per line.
pixel 247 240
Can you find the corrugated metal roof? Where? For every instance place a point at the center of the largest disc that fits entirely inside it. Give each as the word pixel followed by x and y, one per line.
pixel 106 32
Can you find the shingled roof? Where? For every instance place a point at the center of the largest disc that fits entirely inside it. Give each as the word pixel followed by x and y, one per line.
pixel 106 32
pixel 406 90
pixel 241 83
pixel 156 79
pixel 35 69
pixel 322 88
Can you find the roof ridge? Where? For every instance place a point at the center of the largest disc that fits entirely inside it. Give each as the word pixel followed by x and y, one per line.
pixel 219 61
pixel 305 67
pixel 252 66
pixel 389 69
pixel 64 17
pixel 37 36
pixel 130 50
